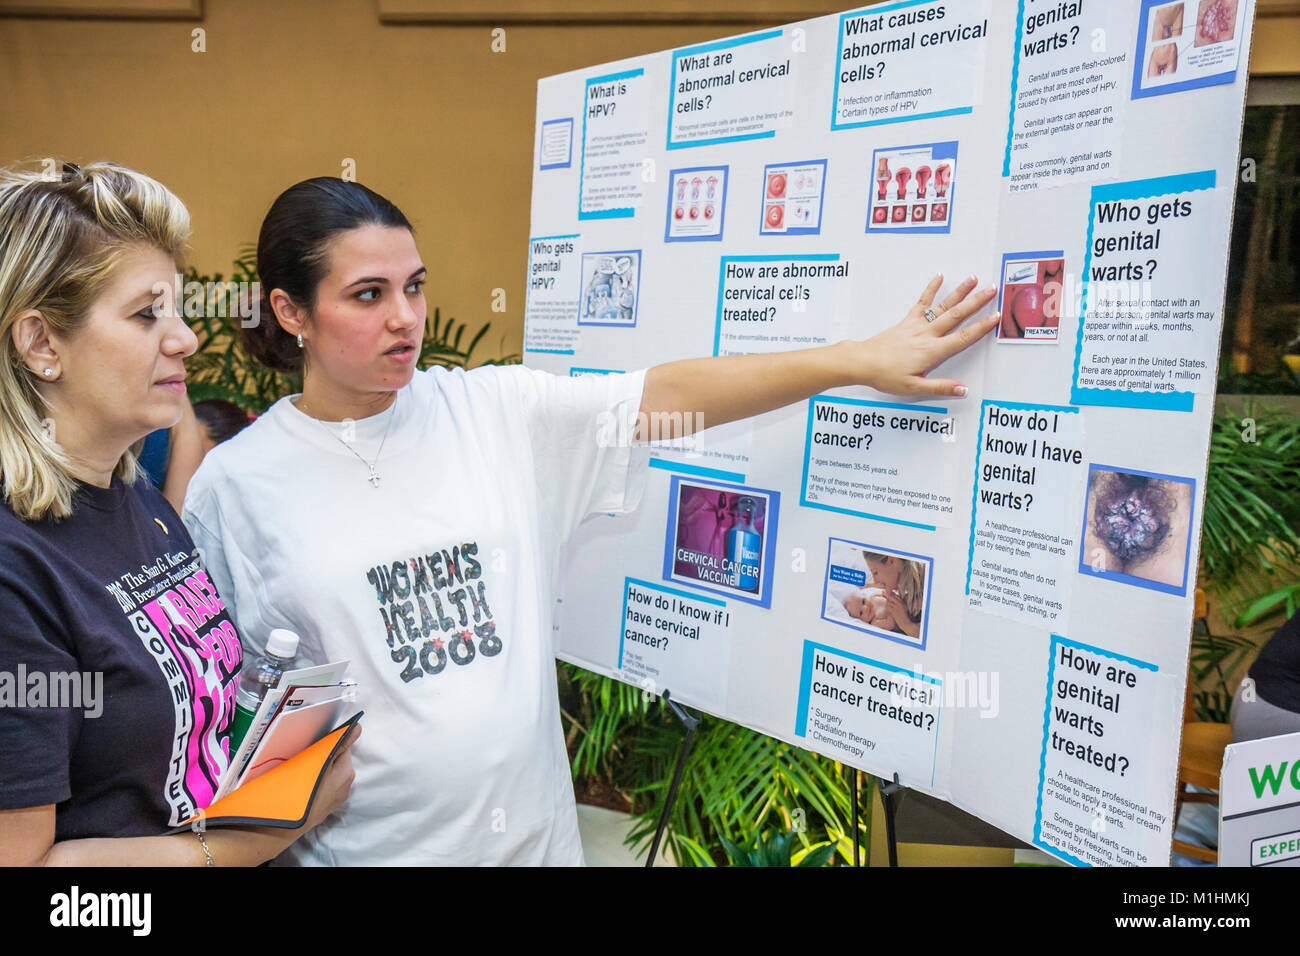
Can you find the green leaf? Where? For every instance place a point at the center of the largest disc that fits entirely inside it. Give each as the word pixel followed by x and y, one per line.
pixel 1268 603
pixel 736 854
pixel 778 850
pixel 699 855
pixel 818 856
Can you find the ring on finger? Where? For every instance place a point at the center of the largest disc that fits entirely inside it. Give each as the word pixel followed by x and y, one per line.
pixel 931 315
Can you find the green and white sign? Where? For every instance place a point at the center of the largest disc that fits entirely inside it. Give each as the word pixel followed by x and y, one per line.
pixel 1259 803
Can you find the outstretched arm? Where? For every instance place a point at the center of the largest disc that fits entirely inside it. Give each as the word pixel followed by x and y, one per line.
pixel 714 391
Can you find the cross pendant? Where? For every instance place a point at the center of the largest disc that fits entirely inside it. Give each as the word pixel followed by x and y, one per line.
pixel 373 478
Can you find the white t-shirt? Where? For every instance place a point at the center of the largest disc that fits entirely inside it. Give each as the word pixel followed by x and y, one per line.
pixel 438 584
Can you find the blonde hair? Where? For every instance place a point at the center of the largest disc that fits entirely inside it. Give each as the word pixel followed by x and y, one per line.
pixel 911 581
pixel 61 239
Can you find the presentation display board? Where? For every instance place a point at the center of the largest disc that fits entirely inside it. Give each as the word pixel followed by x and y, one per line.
pixel 990 597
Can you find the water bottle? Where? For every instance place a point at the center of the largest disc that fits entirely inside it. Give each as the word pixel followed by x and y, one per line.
pixel 259 676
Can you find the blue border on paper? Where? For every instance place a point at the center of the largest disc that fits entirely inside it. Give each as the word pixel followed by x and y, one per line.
pixel 722 279
pixel 722 204
pixel 1193 84
pixel 1137 189
pixel 1057 640
pixel 1015 84
pixel 805 689
pixel 770 525
pixel 807 455
pixel 651 586
pixel 635 309
pixel 821 203
pixel 699 471
pixel 1089 571
pixel 938 151
pixel 979 452
pixel 709 48
pixel 625 212
pixel 577 370
pixel 839 56
pixel 865 629
pixel 568 162
pixel 529 277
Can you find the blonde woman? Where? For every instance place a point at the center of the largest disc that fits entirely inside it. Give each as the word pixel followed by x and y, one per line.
pixel 118 658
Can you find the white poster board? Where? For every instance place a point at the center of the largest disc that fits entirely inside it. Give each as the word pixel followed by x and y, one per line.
pixel 796 186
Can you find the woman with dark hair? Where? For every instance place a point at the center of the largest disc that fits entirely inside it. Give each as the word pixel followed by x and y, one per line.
pixel 412 521
pixel 1267 702
pixel 218 421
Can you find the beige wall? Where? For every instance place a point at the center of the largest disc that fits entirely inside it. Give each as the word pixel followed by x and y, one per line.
pixel 1275 47
pixel 434 119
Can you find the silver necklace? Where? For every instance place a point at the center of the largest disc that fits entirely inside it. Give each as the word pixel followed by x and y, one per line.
pixel 374 476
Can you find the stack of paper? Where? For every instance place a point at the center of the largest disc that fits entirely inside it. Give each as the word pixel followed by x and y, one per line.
pixel 273 776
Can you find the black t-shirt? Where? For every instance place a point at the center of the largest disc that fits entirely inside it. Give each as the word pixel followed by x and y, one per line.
pixel 118 665
pixel 1276 671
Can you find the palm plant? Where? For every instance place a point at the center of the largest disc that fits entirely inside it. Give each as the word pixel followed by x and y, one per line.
pixel 775 849
pixel 1215 658
pixel 221 368
pixel 1250 550
pixel 599 715
pixel 736 780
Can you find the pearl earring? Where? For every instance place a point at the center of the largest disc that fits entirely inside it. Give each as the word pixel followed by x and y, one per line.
pixel 299 340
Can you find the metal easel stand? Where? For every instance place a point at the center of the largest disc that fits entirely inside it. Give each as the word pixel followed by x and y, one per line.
pixel 691 721
pixel 853 796
pixel 888 791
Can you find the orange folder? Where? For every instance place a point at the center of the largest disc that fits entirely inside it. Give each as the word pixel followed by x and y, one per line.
pixel 281 797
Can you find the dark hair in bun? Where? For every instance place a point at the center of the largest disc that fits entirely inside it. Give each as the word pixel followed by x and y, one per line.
pixel 292 254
